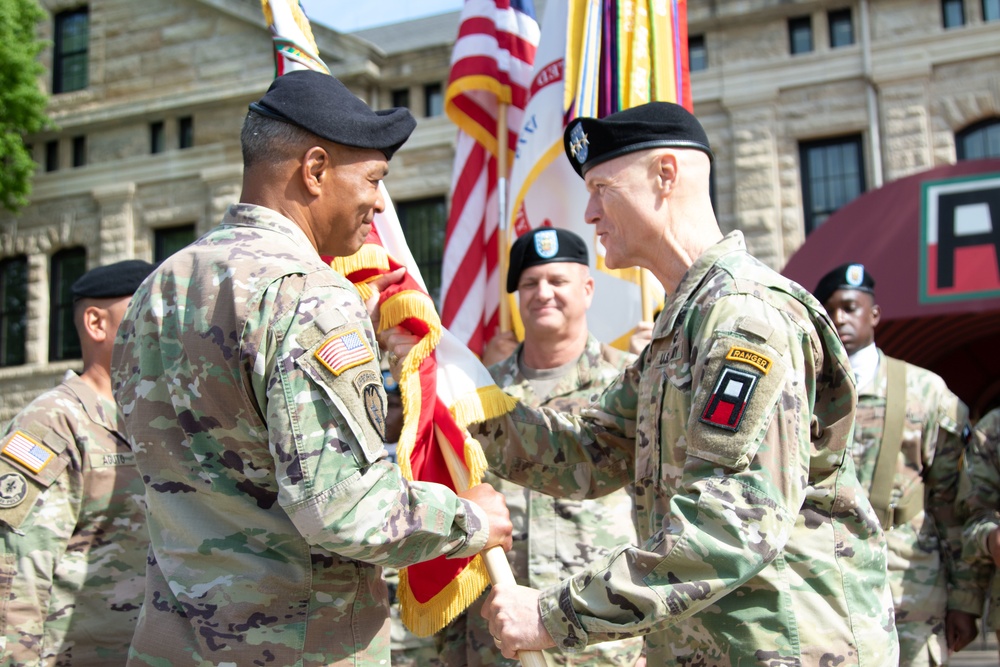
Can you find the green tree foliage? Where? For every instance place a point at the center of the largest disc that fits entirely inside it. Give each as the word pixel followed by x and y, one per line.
pixel 22 103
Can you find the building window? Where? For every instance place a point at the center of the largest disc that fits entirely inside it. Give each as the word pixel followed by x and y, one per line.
pixel 952 13
pixel 832 175
pixel 401 97
pixel 697 55
pixel 185 131
pixel 156 137
pixel 991 10
pixel 67 266
pixel 433 100
pixel 979 141
pixel 13 310
pixel 423 222
pixel 52 155
pixel 841 28
pixel 79 151
pixel 69 59
pixel 169 240
pixel 800 34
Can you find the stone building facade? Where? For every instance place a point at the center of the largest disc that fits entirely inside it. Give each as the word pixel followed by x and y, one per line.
pixel 145 155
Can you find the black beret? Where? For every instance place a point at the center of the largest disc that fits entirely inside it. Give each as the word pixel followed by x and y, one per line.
pixel 544 245
pixel 847 276
pixel 322 105
pixel 591 141
pixel 106 282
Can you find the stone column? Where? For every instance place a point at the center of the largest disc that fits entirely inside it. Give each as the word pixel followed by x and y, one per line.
pixel 117 227
pixel 223 184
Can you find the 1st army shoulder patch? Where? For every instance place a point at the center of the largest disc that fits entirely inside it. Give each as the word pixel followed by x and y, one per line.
pixel 27 451
pixel 343 351
pixel 728 400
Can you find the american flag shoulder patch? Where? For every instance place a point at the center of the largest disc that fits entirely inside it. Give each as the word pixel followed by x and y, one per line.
pixel 344 350
pixel 27 451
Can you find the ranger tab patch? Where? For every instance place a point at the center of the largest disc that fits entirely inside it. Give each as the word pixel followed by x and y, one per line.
pixel 729 399
pixel 27 451
pixel 755 359
pixel 343 351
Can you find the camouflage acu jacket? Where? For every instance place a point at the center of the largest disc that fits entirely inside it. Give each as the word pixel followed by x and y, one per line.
pixel 553 537
pixel 74 539
pixel 248 376
pixel 926 573
pixel 758 544
pixel 983 503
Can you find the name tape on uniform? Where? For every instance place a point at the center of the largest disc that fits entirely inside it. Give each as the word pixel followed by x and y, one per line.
pixel 27 451
pixel 343 351
pixel 755 359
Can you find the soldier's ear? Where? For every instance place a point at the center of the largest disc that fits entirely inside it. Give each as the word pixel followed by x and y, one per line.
pixel 315 164
pixel 95 323
pixel 876 315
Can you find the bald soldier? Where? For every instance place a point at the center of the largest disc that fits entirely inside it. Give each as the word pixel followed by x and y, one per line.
pixel 909 439
pixel 559 365
pixel 757 544
pixel 73 533
pixel 248 374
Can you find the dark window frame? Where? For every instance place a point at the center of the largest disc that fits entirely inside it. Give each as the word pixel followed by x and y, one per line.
pixel 79 151
pixel 185 132
pixel 806 149
pixel 63 57
pixel 989 128
pixel 168 240
pixel 157 137
pixel 839 17
pixel 433 99
pixel 696 45
pixel 64 342
pixel 947 9
pixel 991 10
pixel 52 155
pixel 425 237
pixel 400 97
pixel 795 24
pixel 13 311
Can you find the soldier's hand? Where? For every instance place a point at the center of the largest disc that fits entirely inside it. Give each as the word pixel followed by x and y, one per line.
pixel 960 629
pixel 499 348
pixel 515 620
pixel 378 286
pixel 397 342
pixel 492 502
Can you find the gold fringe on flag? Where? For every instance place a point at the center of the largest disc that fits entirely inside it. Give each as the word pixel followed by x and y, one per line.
pixel 425 618
pixel 370 256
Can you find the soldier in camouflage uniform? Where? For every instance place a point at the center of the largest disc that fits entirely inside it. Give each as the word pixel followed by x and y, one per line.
pixel 982 527
pixel 561 366
pixel 74 539
pixel 936 595
pixel 248 374
pixel 758 546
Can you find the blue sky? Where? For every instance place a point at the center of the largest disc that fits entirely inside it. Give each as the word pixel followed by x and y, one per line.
pixel 350 15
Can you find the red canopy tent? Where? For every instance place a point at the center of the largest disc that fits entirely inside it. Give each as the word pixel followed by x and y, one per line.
pixel 932 242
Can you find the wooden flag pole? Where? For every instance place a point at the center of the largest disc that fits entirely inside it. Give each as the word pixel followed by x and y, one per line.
pixel 503 244
pixel 494 558
pixel 646 296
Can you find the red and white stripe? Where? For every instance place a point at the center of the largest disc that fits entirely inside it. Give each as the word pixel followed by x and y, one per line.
pixel 494 53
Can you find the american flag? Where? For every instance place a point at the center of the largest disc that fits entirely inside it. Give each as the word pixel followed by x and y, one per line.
pixel 491 64
pixel 27 452
pixel 344 351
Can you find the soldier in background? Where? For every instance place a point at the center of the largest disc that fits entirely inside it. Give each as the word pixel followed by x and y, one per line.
pixel 757 544
pixel 909 437
pixel 248 375
pixel 982 528
pixel 561 366
pixel 74 538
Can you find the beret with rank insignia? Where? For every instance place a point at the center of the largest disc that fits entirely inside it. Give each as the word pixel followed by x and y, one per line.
pixel 544 245
pixel 591 141
pixel 845 276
